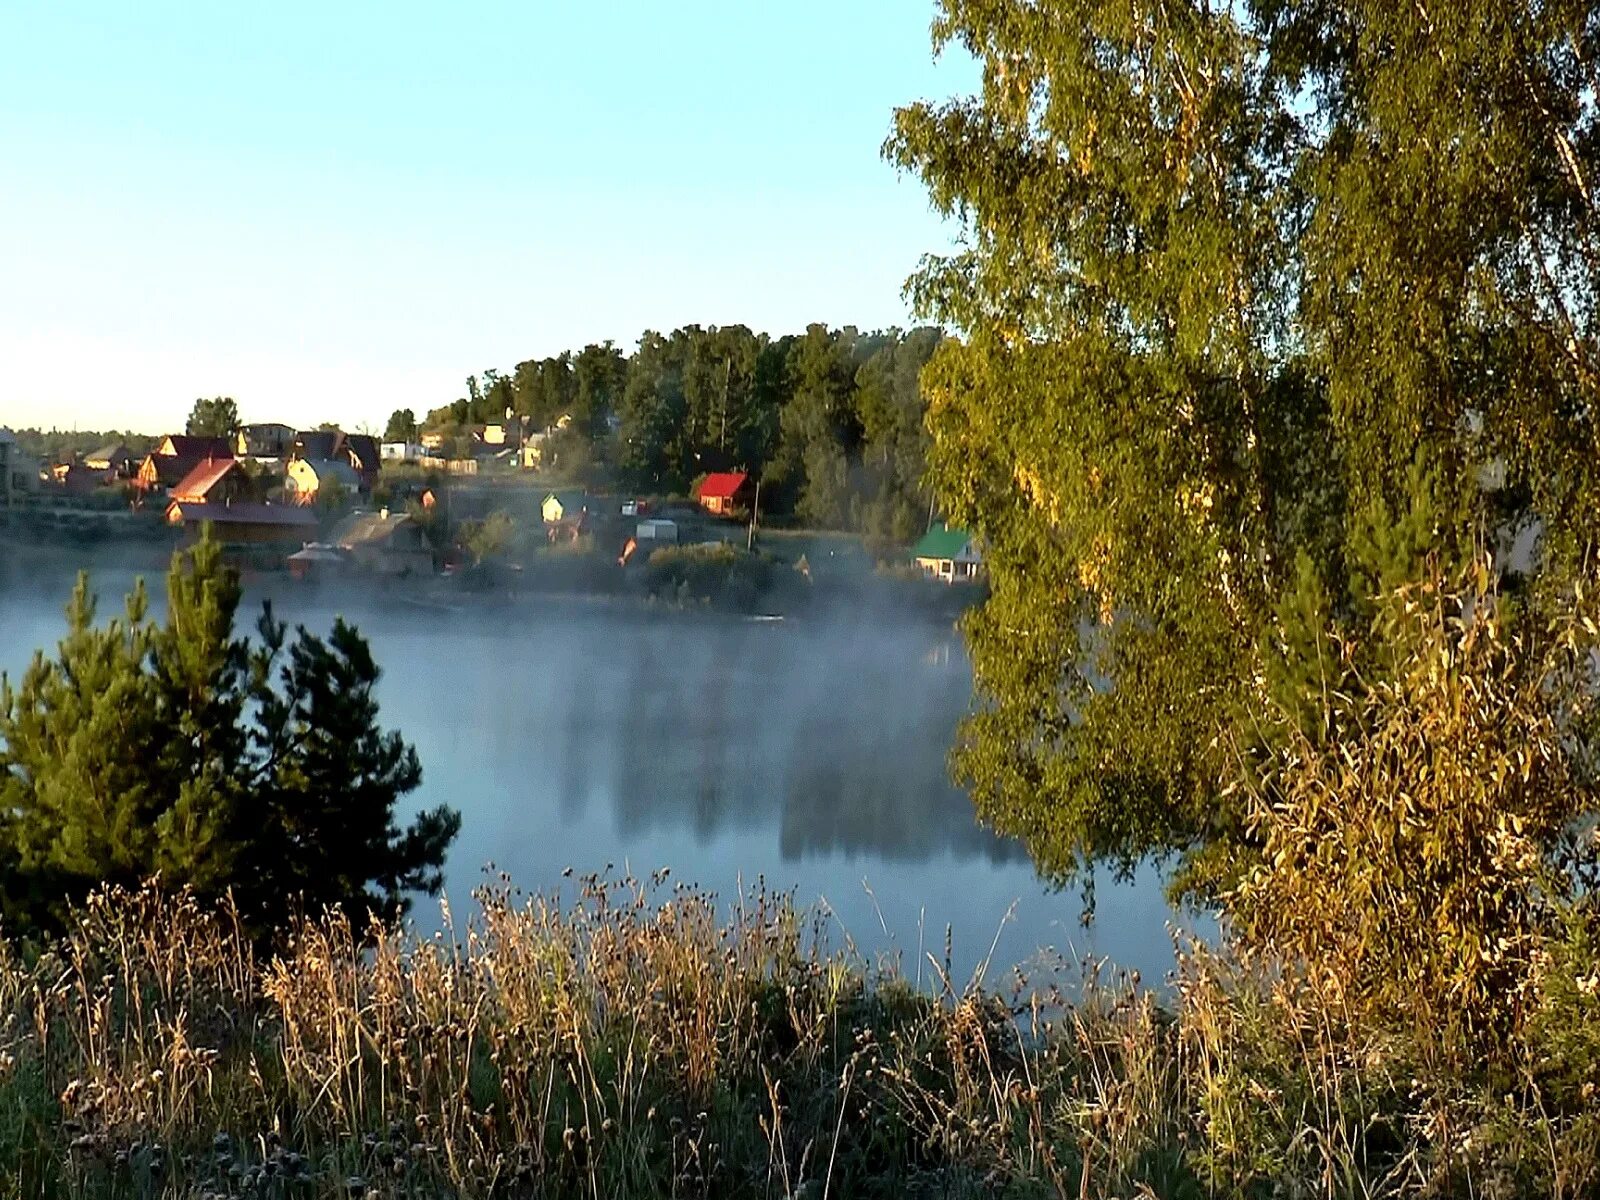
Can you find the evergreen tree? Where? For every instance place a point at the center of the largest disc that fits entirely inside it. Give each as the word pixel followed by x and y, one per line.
pixel 178 751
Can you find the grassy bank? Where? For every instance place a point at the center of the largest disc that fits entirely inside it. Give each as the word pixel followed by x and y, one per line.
pixel 632 1043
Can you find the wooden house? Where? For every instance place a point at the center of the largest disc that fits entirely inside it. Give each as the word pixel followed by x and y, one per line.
pixel 215 481
pixel 949 555
pixel 245 523
pixel 724 492
pixel 308 478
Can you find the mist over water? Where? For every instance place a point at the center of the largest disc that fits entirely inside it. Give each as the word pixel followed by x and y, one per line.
pixel 808 753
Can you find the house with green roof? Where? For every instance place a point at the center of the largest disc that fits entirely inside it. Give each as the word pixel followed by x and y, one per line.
pixel 948 554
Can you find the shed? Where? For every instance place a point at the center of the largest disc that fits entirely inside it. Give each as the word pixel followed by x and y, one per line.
pixel 657 530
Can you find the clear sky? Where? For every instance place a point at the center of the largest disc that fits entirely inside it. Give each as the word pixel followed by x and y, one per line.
pixel 332 210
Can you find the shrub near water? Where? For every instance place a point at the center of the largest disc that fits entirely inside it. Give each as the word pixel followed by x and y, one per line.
pixel 631 1043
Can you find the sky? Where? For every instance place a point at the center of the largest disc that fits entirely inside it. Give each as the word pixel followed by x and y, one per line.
pixel 330 211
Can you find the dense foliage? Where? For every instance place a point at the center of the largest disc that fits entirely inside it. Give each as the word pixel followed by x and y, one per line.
pixel 831 421
pixel 173 749
pixel 1235 279
pixel 216 417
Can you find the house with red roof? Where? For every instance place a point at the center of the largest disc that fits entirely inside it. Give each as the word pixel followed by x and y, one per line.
pixel 214 481
pixel 723 492
pixel 174 458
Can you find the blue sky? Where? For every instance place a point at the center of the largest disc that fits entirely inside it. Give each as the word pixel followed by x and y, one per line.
pixel 329 211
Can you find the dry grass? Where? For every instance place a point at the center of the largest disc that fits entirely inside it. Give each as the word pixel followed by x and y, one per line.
pixel 644 1041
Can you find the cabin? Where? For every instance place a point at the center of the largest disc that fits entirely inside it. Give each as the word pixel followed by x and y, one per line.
pixel 266 441
pixel 722 493
pixel 384 542
pixel 565 506
pixel 245 523
pixel 215 481
pixel 113 461
pixel 309 478
pixel 949 555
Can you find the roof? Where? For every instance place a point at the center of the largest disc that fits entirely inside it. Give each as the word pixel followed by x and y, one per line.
pixel 317 443
pixel 368 529
pixel 114 453
pixel 260 427
pixel 197 484
pixel 723 485
pixel 364 447
pixel 942 542
pixel 316 552
pixel 184 446
pixel 286 515
pixel 172 469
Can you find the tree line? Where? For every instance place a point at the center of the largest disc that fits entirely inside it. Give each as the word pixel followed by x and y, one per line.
pixel 831 421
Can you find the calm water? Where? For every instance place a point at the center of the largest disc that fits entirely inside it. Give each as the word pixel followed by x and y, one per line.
pixel 809 754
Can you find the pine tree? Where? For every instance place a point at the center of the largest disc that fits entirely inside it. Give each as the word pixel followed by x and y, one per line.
pixel 175 750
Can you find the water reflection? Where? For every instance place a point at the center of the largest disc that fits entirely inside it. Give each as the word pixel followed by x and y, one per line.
pixel 807 753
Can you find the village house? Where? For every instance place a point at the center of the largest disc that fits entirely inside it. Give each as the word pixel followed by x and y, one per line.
pixel 724 492
pixel 359 451
pixel 76 479
pixel 402 451
pixel 246 523
pixel 308 478
pixel 380 543
pixel 384 542
pixel 215 481
pixel 182 445
pixel 949 555
pixel 113 461
pixel 19 473
pixel 564 506
pixel 267 442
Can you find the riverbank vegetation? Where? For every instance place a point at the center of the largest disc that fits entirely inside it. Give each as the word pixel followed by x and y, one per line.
pixel 640 1039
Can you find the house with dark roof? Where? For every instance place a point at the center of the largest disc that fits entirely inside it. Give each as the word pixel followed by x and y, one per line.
pixel 384 542
pixel 308 478
pixel 360 451
pixel 246 522
pixel 949 555
pixel 181 445
pixel 266 441
pixel 723 492
pixel 114 461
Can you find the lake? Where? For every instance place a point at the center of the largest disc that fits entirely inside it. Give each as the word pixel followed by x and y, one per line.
pixel 807 753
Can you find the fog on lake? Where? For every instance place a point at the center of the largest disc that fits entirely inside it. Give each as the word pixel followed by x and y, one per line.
pixel 808 754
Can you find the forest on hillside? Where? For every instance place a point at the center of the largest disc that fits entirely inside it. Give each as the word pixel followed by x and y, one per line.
pixel 831 421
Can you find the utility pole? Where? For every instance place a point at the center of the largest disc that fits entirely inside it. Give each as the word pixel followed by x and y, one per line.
pixel 750 538
pixel 722 439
